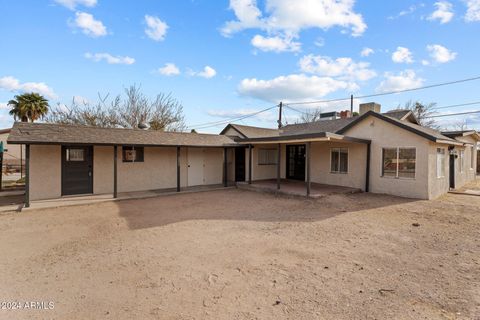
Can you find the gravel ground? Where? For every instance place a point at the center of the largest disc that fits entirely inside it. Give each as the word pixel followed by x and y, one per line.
pixel 236 254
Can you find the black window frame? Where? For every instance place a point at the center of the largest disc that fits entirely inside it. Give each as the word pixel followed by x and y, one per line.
pixel 139 154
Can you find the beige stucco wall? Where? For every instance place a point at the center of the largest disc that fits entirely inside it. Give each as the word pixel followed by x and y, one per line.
pixel 263 172
pixel 157 171
pixel 386 135
pixel 468 174
pixel 45 172
pixel 437 185
pixel 103 170
pixel 357 162
pixel 213 173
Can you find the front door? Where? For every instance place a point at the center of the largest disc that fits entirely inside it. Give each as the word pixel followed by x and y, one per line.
pixel 452 171
pixel 240 164
pixel 296 162
pixel 77 170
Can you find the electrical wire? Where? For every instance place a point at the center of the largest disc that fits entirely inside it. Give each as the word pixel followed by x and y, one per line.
pixel 453 114
pixel 388 93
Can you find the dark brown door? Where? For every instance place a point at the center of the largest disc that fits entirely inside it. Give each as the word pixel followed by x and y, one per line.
pixel 77 170
pixel 296 162
pixel 239 164
pixel 452 171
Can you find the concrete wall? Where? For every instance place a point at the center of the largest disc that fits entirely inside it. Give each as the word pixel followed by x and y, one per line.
pixel 357 163
pixel 103 169
pixel 45 172
pixel 386 135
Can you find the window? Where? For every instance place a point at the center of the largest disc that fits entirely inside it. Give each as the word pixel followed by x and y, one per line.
pixel 339 160
pixel 76 155
pixel 441 162
pixel 472 157
pixel 399 162
pixel 267 156
pixel 132 154
pixel 461 159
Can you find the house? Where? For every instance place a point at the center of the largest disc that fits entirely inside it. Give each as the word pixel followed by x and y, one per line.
pixel 375 152
pixel 12 153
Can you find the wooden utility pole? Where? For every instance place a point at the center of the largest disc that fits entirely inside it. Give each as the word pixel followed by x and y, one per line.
pixel 280 107
pixel 351 105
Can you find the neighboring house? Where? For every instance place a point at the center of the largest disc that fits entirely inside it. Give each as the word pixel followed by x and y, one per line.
pixel 382 153
pixel 13 154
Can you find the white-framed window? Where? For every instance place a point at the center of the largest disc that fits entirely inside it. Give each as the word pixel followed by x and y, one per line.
pixel 267 156
pixel 339 160
pixel 75 154
pixel 399 162
pixel 441 162
pixel 461 160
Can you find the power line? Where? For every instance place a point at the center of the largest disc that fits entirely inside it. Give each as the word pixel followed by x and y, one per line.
pixel 387 93
pixel 453 114
pixel 217 123
pixel 457 105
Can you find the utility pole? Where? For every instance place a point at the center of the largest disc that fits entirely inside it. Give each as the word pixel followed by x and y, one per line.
pixel 351 105
pixel 280 107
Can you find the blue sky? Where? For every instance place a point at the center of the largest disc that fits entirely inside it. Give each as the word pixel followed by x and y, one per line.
pixel 223 59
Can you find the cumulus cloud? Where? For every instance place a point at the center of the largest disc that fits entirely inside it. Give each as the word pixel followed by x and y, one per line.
pixel 12 84
pixel 443 12
pixel 110 59
pixel 366 52
pixel 473 11
pixel 402 55
pixel 156 28
pixel 228 114
pixel 207 73
pixel 344 68
pixel 89 26
pixel 170 69
pixel 441 54
pixel 290 17
pixel 4 106
pixel 276 44
pixel 72 4
pixel 292 87
pixel 404 80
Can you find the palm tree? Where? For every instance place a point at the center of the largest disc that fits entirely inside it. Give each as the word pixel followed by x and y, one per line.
pixel 28 106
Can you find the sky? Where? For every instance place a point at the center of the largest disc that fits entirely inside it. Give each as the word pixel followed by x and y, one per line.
pixel 228 58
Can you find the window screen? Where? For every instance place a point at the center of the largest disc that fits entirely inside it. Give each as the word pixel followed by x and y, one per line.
pixel 132 154
pixel 339 160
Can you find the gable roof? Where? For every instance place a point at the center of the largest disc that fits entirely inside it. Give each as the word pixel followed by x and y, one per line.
pixel 317 126
pixel 462 133
pixel 250 131
pixel 427 133
pixel 52 133
pixel 402 114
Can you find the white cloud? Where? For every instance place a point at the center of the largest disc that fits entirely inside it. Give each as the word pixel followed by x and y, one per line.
pixel 156 28
pixel 366 52
pixel 170 69
pixel 402 55
pixel 90 26
pixel 290 17
pixel 4 106
pixel 276 44
pixel 404 80
pixel 411 10
pixel 344 68
pixel 110 59
pixel 207 73
pixel 441 54
pixel 292 87
pixel 12 84
pixel 443 12
pixel 264 116
pixel 473 11
pixel 72 4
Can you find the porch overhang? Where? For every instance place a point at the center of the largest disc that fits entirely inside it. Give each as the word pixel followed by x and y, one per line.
pixel 303 138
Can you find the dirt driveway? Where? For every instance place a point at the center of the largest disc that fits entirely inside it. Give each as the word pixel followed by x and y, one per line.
pixel 236 254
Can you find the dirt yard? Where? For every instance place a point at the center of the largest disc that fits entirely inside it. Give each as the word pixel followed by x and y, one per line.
pixel 236 254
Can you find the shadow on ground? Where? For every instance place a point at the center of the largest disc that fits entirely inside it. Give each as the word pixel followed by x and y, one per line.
pixel 234 204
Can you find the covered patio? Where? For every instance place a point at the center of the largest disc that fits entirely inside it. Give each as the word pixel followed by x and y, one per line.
pixel 308 181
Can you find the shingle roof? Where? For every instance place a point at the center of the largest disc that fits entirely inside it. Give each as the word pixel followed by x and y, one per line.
pixel 317 126
pixel 397 114
pixel 252 132
pixel 49 133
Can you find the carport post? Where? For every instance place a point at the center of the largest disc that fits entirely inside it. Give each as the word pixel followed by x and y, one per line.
pixel 178 168
pixel 115 158
pixel 367 173
pixel 249 164
pixel 27 176
pixel 278 165
pixel 308 149
pixel 225 167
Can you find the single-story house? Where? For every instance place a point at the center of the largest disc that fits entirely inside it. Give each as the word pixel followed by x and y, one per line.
pixel 13 154
pixel 375 152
